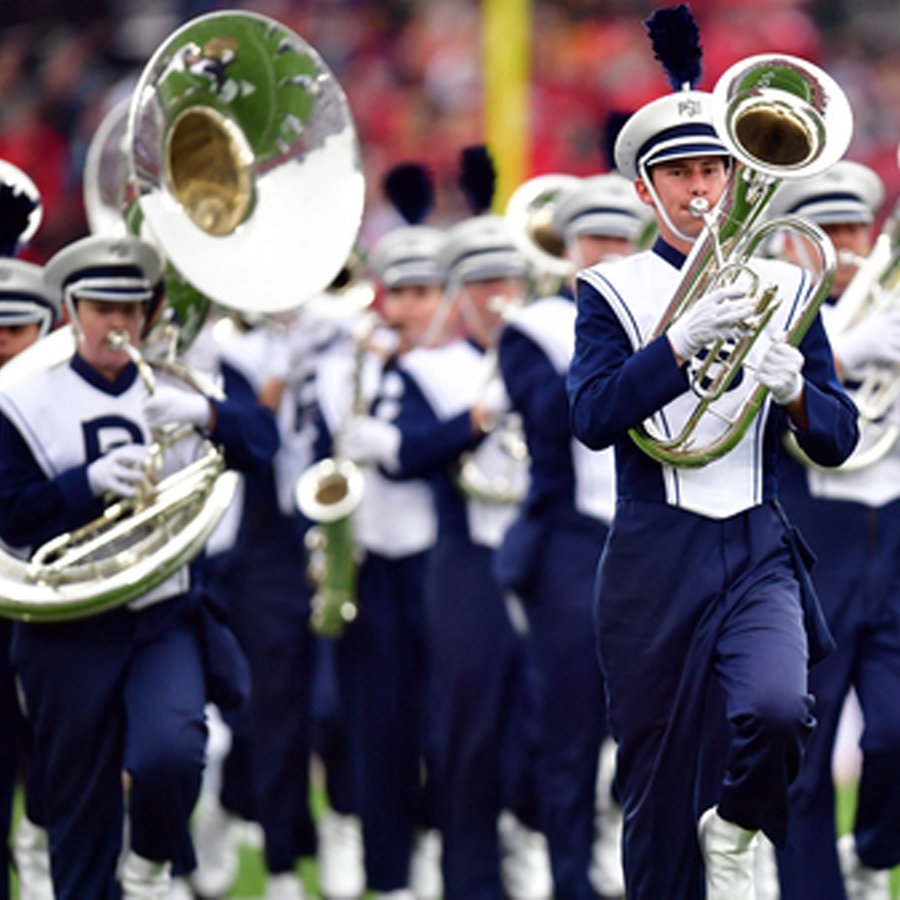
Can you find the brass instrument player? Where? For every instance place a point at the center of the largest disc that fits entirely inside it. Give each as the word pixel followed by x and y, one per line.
pixel 475 654
pixel 28 309
pixel 549 554
pixel 382 658
pixel 704 623
pixel 852 522
pixel 123 690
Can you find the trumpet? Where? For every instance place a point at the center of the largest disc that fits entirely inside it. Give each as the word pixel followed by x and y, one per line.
pixel 780 117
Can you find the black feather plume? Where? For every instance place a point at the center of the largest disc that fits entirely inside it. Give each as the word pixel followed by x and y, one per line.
pixel 477 178
pixel 676 44
pixel 15 208
pixel 615 119
pixel 409 186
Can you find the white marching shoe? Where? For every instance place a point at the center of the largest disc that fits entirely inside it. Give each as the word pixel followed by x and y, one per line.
pixel 285 886
pixel 340 856
pixel 425 877
pixel 861 882
pixel 180 889
pixel 729 853
pixel 765 870
pixel 31 851
pixel 524 860
pixel 605 874
pixel 215 832
pixel 144 879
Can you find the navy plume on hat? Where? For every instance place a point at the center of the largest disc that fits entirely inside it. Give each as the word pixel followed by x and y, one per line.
pixel 410 189
pixel 678 125
pixel 676 44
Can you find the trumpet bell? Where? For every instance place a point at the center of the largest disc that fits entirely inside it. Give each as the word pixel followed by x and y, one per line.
pixel 243 151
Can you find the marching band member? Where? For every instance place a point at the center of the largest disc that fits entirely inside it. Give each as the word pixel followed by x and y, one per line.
pixel 381 658
pixel 852 522
pixel 124 690
pixel 261 580
pixel 445 409
pixel 704 623
pixel 549 555
pixel 28 310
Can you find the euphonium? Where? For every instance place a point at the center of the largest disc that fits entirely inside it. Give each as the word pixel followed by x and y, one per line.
pixel 136 543
pixel 780 117
pixel 529 217
pixel 496 472
pixel 327 494
pixel 873 291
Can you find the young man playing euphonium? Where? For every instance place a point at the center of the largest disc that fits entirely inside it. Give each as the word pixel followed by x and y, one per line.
pixel 123 690
pixel 705 619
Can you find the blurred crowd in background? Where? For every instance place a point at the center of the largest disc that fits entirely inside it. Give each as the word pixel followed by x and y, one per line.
pixel 412 71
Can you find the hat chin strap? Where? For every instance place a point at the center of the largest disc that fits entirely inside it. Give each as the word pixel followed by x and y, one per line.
pixel 657 204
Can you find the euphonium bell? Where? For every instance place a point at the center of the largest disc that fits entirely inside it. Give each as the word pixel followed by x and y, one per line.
pixel 529 218
pixel 780 117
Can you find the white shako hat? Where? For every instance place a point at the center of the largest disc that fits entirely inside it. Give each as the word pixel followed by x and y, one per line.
pixel 481 248
pixel 600 205
pixel 408 255
pixel 120 268
pixel 847 192
pixel 676 126
pixel 25 296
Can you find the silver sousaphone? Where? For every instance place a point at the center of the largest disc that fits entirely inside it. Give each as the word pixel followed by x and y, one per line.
pixel 243 166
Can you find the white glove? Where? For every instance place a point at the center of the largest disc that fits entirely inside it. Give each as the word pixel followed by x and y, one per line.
pixel 494 400
pixel 718 315
pixel 170 405
pixel 370 440
pixel 779 371
pixel 875 340
pixel 118 472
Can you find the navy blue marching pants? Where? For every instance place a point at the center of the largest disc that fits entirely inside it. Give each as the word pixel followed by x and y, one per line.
pixel 477 676
pixel 11 745
pixel 701 635
pixel 266 774
pixel 383 673
pixel 118 692
pixel 558 600
pixel 857 575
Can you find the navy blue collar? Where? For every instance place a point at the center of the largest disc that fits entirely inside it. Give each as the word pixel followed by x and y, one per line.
pixel 669 253
pixel 124 380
